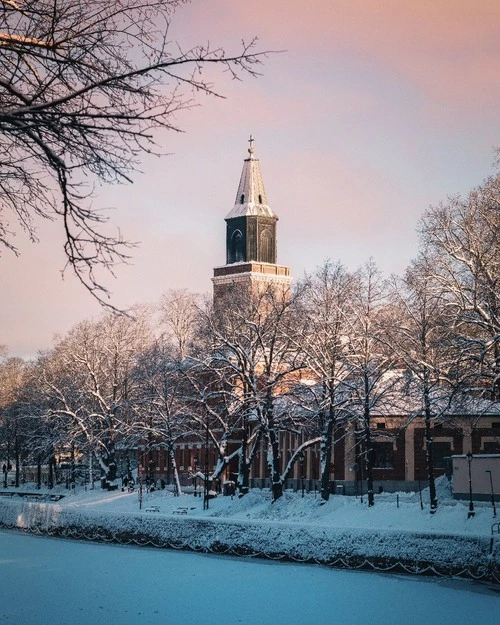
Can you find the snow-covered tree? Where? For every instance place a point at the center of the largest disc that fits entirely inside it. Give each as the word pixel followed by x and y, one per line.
pixel 180 318
pixel 463 235
pixel 372 381
pixel 160 413
pixel 254 339
pixel 12 423
pixel 421 337
pixel 88 382
pixel 326 306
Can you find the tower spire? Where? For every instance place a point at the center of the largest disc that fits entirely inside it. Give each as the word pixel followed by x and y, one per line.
pixel 251 198
pixel 250 236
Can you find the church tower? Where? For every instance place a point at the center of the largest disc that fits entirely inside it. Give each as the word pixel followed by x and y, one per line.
pixel 250 237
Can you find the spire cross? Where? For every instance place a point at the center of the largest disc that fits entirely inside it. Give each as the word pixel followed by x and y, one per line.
pixel 251 149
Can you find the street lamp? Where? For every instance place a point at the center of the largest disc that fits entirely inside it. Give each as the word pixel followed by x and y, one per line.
pixel 492 495
pixel 301 460
pixel 471 512
pixel 206 491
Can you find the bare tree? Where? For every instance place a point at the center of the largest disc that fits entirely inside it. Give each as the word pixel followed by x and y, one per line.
pixel 12 426
pixel 179 311
pixel 421 335
pixel 161 414
pixel 372 379
pixel 254 340
pixel 226 384
pixel 84 86
pixel 324 342
pixel 464 236
pixel 88 381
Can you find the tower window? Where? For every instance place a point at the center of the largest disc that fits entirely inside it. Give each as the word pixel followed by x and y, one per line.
pixel 236 251
pixel 266 247
pixel 260 199
pixel 242 198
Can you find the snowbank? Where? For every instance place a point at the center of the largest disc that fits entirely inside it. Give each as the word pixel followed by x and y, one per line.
pixel 342 532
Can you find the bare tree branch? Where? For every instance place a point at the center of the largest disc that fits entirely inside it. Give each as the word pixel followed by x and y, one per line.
pixel 84 87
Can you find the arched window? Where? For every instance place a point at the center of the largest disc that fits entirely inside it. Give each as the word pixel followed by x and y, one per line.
pixel 266 247
pixel 236 251
pixel 242 198
pixel 260 198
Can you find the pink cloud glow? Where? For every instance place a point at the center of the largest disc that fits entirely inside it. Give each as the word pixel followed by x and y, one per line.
pixel 375 110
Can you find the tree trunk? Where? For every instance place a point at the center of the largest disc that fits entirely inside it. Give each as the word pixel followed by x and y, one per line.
pixel 243 469
pixel 429 458
pixel 38 472
pixel 326 457
pixel 175 472
pixel 274 464
pixel 110 461
pixel 52 462
pixel 369 464
pixel 73 467
pixel 91 470
pixel 17 457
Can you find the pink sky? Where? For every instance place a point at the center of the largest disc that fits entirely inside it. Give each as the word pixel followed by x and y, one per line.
pixel 375 111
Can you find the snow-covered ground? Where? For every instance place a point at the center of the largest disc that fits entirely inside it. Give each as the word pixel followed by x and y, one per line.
pixel 342 532
pixel 339 512
pixel 50 581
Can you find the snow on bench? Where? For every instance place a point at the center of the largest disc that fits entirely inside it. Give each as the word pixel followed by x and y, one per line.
pixel 180 511
pixel 153 509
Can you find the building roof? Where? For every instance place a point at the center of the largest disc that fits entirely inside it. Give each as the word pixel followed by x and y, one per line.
pixel 251 198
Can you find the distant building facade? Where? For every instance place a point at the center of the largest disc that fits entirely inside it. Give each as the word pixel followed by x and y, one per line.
pixel 399 443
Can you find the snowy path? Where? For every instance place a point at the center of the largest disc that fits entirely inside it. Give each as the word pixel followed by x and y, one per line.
pixel 48 581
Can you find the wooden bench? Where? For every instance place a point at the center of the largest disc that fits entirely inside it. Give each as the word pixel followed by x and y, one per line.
pixel 35 497
pixel 153 509
pixel 180 511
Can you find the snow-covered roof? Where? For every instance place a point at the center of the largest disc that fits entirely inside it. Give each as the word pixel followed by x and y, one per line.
pixel 251 198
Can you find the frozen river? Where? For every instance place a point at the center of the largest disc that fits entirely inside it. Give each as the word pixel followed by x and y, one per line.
pixel 49 581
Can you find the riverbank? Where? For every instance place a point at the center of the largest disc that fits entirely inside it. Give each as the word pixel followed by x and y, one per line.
pixel 396 534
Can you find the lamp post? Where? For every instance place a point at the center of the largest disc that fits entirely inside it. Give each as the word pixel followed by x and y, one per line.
pixel 151 467
pixel 492 495
pixel 360 473
pixel 301 460
pixel 471 512
pixel 206 490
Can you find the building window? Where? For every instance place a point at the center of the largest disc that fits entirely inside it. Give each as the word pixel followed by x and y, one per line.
pixel 381 426
pixel 383 456
pixel 495 425
pixel 266 247
pixel 242 198
pixel 440 452
pixel 260 199
pixel 491 447
pixel 236 248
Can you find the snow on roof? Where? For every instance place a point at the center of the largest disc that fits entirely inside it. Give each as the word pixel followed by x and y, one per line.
pixel 251 198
